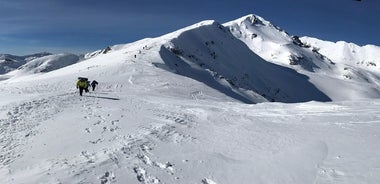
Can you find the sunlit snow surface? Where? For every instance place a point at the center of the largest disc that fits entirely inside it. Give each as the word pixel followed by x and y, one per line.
pixel 165 112
pixel 147 125
pixel 113 136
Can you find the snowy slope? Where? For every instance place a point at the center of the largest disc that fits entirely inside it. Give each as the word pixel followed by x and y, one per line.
pixel 359 63
pixel 48 63
pixel 137 127
pixel 203 53
pixel 264 63
pixel 210 54
pixel 336 77
pixel 95 53
pixel 9 62
pixel 38 65
pixel 367 56
pixel 169 110
pixel 275 45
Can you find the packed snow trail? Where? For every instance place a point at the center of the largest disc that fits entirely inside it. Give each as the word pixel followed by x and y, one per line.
pixel 65 138
pixel 99 130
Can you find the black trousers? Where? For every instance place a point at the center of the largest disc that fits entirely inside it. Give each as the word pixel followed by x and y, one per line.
pixel 81 91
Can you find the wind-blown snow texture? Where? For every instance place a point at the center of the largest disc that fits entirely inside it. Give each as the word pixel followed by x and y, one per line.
pixel 169 110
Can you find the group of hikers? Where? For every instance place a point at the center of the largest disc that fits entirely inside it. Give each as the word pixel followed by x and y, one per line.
pixel 83 84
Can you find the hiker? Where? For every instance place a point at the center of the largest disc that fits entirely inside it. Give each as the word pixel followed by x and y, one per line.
pixel 94 83
pixel 82 84
pixel 88 85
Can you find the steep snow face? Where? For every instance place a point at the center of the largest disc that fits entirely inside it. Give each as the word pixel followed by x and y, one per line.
pixel 211 54
pixel 275 45
pixel 328 71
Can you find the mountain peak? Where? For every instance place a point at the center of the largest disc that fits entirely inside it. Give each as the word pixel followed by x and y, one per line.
pixel 232 58
pixel 252 18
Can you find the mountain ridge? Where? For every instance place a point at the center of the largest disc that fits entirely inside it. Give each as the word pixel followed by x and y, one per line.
pixel 10 62
pixel 246 44
pixel 178 109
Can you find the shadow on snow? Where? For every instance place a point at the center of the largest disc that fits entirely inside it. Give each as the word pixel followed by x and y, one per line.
pixel 226 64
pixel 103 97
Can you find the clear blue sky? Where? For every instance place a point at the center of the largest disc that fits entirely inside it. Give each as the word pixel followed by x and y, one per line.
pixel 78 26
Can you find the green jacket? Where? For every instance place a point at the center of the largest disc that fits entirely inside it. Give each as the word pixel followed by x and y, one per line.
pixel 82 84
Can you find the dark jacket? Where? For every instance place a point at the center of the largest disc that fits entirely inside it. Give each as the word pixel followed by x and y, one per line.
pixel 94 83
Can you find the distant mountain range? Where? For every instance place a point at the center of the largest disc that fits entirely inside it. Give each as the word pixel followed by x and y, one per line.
pixel 248 59
pixel 14 66
pixel 10 62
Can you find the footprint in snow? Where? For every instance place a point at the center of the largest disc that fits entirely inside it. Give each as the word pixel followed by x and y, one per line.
pixel 99 122
pixel 107 177
pixel 208 181
pixel 142 176
pixel 168 166
pixel 97 141
pixel 88 130
pixel 114 122
pixel 332 173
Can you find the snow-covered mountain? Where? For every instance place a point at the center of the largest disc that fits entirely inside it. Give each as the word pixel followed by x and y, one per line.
pixel 252 60
pixel 95 53
pixel 10 62
pixel 35 64
pixel 275 45
pixel 347 53
pixel 353 58
pixel 330 67
pixel 169 110
pixel 48 63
